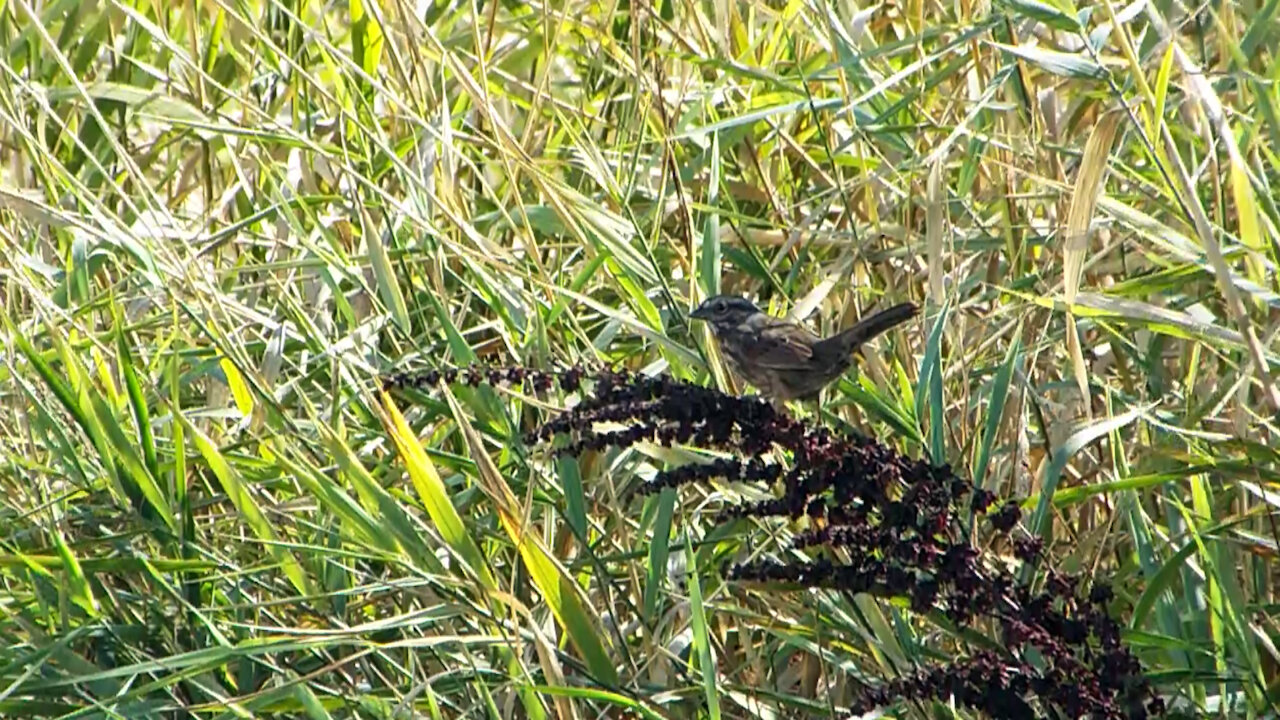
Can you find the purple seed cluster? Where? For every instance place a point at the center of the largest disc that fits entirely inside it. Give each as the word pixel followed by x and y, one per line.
pixel 900 522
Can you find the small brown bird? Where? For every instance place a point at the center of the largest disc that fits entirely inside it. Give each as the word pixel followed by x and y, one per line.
pixel 781 358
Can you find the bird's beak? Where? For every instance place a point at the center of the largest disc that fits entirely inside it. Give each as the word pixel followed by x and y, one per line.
pixel 702 312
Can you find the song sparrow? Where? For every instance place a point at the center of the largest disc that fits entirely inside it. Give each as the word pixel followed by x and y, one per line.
pixel 781 358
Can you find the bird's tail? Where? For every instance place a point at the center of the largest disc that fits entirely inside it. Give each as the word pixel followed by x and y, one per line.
pixel 868 328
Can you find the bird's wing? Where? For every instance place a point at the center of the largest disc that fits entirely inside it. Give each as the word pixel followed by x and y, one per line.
pixel 784 346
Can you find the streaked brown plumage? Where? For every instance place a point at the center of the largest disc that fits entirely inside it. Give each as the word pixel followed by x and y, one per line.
pixel 781 358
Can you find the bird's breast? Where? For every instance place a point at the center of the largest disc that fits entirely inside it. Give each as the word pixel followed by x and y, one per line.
pixel 737 347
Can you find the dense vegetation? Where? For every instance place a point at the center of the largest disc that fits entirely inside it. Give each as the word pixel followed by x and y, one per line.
pixel 225 226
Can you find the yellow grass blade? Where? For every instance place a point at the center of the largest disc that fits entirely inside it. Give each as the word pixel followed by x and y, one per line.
pixel 434 494
pixel 558 588
pixel 1247 219
pixel 1089 181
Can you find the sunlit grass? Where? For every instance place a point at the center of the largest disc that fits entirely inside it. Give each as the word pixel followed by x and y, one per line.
pixel 224 224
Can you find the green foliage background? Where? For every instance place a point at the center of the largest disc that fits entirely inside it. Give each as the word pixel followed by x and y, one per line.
pixel 222 221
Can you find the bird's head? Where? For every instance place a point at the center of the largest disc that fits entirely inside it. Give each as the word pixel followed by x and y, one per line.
pixel 725 311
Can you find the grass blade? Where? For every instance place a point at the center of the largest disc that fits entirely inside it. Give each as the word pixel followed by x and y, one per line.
pixel 659 548
pixel 434 496
pixel 931 373
pixel 574 498
pixel 76 584
pixel 995 407
pixel 701 635
pixel 143 482
pixel 1040 520
pixel 558 588
pixel 141 413
pixel 233 485
pixel 709 267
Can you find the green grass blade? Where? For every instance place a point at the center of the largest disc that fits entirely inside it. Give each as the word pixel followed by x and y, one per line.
pixel 709 262
pixel 143 482
pixel 702 636
pixel 385 277
pixel 995 408
pixel 574 497
pixel 883 407
pixel 1041 518
pixel 377 500
pixel 233 485
pixel 659 548
pixel 931 373
pixel 141 413
pixel 76 583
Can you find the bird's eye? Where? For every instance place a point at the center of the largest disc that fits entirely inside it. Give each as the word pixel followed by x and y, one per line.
pixel 719 306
